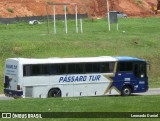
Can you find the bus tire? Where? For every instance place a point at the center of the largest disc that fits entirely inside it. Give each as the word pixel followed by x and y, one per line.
pixel 126 91
pixel 55 92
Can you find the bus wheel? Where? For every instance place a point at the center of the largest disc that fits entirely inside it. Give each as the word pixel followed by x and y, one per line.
pixel 126 91
pixel 54 93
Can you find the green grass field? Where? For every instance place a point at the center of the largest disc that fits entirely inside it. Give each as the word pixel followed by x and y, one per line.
pixel 140 39
pixel 84 104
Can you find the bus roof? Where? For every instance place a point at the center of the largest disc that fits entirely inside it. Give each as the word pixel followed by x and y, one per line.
pixel 64 60
pixel 127 58
pixel 74 60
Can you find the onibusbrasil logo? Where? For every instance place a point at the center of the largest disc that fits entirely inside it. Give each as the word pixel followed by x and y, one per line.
pixel 21 115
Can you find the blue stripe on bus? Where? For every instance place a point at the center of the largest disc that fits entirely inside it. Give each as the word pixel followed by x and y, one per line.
pixel 13 92
pixel 119 82
pixel 127 58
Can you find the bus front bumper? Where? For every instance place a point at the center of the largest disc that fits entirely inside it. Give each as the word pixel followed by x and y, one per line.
pixel 13 93
pixel 141 90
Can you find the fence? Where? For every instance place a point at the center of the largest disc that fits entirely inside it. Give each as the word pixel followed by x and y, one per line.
pixel 26 19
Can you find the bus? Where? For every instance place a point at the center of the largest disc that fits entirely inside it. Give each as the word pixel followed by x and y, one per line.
pixel 72 77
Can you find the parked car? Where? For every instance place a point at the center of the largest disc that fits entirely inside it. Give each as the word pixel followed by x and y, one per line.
pixel 120 14
pixel 34 22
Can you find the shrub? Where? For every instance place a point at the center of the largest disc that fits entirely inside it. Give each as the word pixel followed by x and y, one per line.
pixel 139 1
pixel 10 10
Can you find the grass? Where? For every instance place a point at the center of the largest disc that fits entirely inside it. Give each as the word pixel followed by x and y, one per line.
pixel 84 104
pixel 138 37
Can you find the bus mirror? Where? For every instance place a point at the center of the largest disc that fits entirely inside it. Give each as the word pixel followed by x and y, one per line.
pixel 148 67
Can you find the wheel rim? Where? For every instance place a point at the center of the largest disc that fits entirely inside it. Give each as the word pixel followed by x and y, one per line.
pixel 54 93
pixel 126 91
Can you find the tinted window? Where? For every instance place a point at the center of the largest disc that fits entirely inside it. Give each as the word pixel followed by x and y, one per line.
pixel 62 68
pixel 88 67
pixel 92 67
pixel 74 68
pixel 140 70
pixel 96 67
pixel 53 69
pixel 71 68
pixel 107 67
pixel 27 70
pixel 35 70
pixel 125 66
pixel 79 68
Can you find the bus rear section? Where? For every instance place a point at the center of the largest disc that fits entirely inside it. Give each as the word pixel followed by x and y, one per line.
pixel 11 83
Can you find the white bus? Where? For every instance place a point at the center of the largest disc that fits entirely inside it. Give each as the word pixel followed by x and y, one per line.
pixel 70 77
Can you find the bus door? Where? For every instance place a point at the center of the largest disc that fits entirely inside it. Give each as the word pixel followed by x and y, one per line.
pixel 140 73
pixel 125 75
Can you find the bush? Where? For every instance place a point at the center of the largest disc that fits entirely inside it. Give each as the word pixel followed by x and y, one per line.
pixel 10 10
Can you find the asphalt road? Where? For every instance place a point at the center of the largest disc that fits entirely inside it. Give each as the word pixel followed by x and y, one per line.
pixel 152 91
pixel 3 97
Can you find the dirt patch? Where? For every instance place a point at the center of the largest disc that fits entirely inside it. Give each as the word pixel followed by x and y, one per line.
pixel 94 8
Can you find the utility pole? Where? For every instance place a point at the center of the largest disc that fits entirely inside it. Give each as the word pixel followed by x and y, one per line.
pixel 47 16
pixel 54 13
pixel 65 18
pixel 76 18
pixel 109 26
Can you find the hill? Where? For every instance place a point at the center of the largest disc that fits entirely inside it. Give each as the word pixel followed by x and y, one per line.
pixel 94 8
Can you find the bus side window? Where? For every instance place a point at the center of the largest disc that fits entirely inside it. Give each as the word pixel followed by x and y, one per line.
pixel 79 68
pixel 92 67
pixel 62 69
pixel 26 70
pixel 88 67
pixel 136 70
pixel 71 68
pixel 53 69
pixel 107 67
pixel 76 68
pixel 40 70
pixel 45 69
pixel 111 66
pixel 96 67
pixel 36 70
pixel 104 67
pixel 125 66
